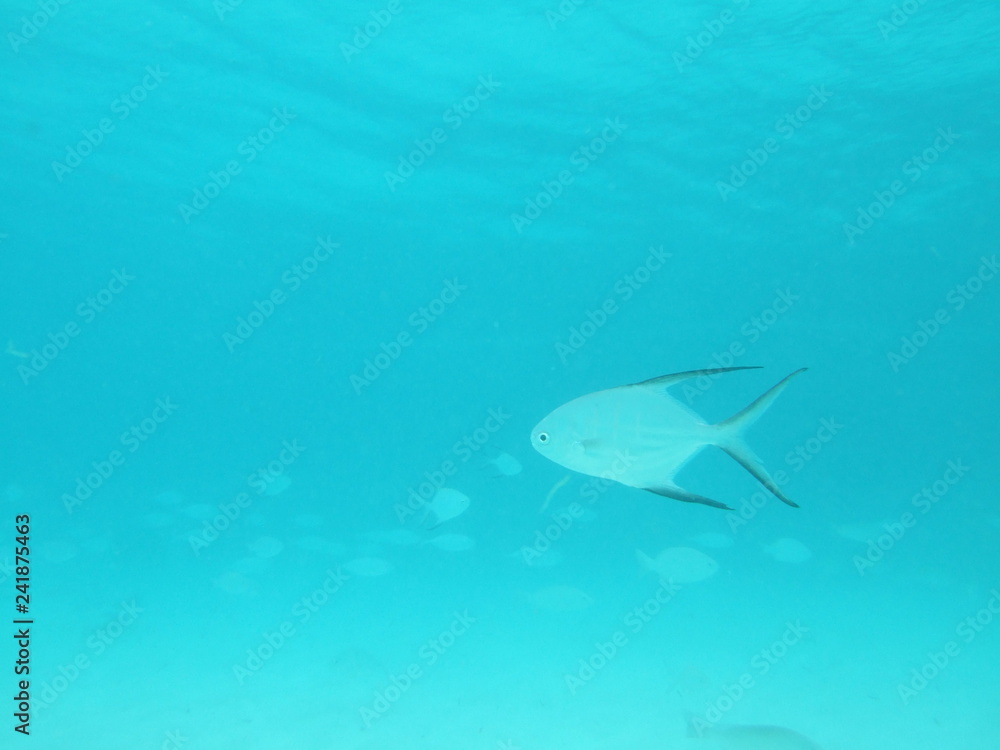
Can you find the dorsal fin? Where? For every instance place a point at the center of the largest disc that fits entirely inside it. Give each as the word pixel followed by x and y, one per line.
pixel 667 380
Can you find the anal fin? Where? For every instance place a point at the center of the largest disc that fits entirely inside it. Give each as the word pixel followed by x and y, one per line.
pixel 749 461
pixel 676 493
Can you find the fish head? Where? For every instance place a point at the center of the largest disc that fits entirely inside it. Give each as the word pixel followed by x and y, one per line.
pixel 561 438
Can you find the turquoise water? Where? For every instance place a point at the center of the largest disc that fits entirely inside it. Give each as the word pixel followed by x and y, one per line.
pixel 273 273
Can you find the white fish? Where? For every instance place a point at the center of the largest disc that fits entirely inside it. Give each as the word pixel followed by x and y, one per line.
pixel 641 436
pixel 788 551
pixel 503 465
pixel 679 564
pixel 452 542
pixel 445 505
pixel 369 566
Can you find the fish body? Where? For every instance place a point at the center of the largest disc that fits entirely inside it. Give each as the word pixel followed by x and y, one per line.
pixel 640 436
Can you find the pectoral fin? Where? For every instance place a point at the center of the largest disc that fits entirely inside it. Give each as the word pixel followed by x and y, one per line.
pixel 676 493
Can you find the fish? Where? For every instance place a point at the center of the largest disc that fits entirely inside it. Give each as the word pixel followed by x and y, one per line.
pixel 502 465
pixel 640 436
pixel 679 564
pixel 788 551
pixel 445 505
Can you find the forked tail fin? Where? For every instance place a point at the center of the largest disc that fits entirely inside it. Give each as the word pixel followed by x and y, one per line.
pixel 731 438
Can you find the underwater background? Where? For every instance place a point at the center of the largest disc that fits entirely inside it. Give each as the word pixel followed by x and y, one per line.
pixel 274 274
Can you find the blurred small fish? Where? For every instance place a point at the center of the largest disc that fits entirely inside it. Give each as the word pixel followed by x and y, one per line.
pixel 445 505
pixel 679 564
pixel 788 551
pixel 502 465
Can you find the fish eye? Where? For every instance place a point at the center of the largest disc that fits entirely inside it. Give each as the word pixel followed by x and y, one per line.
pixel 543 437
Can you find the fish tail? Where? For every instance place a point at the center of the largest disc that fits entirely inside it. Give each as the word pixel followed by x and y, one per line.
pixel 730 438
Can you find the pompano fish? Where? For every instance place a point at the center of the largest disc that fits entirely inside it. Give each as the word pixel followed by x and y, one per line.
pixel 641 436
